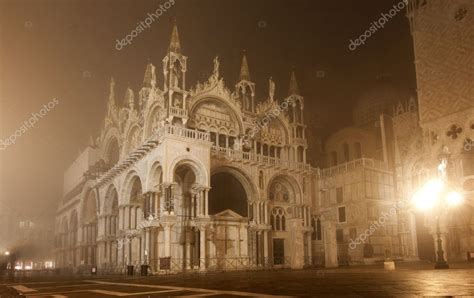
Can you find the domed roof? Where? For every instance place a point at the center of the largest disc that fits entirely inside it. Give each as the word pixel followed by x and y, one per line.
pixel 378 100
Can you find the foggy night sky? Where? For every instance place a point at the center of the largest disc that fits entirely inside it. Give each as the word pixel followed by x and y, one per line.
pixel 47 46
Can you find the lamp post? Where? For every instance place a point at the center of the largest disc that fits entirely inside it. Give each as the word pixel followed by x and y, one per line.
pixel 440 261
pixel 436 194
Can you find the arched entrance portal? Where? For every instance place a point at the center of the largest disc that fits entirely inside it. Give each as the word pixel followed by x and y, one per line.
pixel 227 193
pixel 229 209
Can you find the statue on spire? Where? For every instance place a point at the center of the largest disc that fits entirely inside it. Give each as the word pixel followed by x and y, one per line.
pixel 271 88
pixel 130 98
pixel 112 91
pixel 216 67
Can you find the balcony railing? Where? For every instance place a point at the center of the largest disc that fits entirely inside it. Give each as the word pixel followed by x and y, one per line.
pixel 355 164
pixel 182 132
pixel 163 132
pixel 174 111
pixel 242 156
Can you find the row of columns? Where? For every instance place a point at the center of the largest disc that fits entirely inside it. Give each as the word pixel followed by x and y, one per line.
pixel 129 216
pixel 200 202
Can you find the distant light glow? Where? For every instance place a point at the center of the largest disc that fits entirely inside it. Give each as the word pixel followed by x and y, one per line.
pixel 7 253
pixel 454 198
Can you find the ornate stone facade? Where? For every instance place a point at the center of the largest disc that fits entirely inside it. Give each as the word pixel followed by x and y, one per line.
pixel 191 179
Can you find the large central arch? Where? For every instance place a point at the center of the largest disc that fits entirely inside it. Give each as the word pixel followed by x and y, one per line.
pixel 230 189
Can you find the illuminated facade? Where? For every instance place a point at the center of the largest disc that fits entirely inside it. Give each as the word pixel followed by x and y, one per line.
pixel 204 175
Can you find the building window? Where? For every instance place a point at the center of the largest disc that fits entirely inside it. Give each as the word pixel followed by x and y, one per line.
pixel 341 212
pixel 340 236
pixel 277 219
pixel 339 195
pixel 345 148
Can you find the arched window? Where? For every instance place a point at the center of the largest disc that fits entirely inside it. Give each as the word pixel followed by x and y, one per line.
pixel 357 150
pixel 277 219
pixel 345 149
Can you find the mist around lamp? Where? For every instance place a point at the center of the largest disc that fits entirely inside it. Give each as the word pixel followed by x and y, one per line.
pixel 435 195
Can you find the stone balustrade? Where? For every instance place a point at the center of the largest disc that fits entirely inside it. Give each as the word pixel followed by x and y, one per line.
pixel 242 156
pixel 354 164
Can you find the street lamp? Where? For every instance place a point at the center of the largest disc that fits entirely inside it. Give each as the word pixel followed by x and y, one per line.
pixel 435 194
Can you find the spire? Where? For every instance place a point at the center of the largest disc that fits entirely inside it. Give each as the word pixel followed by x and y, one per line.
pixel 294 90
pixel 175 45
pixel 244 70
pixel 149 80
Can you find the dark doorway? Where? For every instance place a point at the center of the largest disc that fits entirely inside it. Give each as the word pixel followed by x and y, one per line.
pixel 425 240
pixel 278 251
pixel 227 193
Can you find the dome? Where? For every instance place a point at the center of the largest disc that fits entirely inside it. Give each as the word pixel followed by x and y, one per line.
pixel 378 100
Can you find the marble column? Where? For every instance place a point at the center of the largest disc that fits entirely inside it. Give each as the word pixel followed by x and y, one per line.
pixel 265 245
pixel 187 255
pixel 202 249
pixel 167 229
pixel 310 248
pixel 206 204
pixel 330 244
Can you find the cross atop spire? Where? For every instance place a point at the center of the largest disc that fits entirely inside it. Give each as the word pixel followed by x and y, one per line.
pixel 294 90
pixel 175 45
pixel 244 69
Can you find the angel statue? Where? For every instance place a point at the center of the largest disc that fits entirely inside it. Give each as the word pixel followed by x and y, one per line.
pixel 271 88
pixel 216 67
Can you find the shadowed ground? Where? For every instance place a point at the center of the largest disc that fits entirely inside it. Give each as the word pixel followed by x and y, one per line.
pixel 410 279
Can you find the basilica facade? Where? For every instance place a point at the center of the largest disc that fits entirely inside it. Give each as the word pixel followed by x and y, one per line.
pixel 191 179
pixel 209 177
